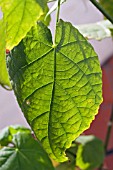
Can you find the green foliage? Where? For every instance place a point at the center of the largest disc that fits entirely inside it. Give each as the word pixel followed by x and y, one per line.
pixel 6 135
pixel 25 152
pixel 20 16
pixel 46 20
pixel 108 6
pixel 58 86
pixel 69 165
pixel 98 31
pixel 15 27
pixel 90 153
pixel 66 166
pixel 4 78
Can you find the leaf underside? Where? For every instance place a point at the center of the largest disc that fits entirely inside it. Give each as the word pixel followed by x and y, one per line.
pixel 58 87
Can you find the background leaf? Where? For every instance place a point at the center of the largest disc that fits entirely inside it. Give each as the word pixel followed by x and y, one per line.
pixel 108 6
pixel 69 165
pixel 46 20
pixel 66 166
pixel 20 16
pixel 26 153
pixel 6 135
pixel 90 153
pixel 4 78
pixel 58 87
pixel 98 31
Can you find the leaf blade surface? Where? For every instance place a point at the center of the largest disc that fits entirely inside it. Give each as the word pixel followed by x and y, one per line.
pixel 4 78
pixel 88 145
pixel 26 153
pixel 57 86
pixel 20 16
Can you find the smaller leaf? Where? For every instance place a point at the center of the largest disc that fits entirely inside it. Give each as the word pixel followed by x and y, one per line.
pixel 66 166
pixel 44 19
pixel 25 14
pixel 71 154
pixel 4 78
pixel 90 153
pixel 26 153
pixel 7 133
pixel 98 31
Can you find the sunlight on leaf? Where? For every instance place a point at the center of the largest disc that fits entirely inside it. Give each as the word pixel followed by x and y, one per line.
pixel 4 78
pixel 58 87
pixel 20 16
pixel 90 153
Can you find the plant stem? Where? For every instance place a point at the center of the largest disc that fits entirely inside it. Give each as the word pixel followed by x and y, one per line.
pixel 110 123
pixel 57 19
pixel 58 11
pixel 103 11
pixel 51 1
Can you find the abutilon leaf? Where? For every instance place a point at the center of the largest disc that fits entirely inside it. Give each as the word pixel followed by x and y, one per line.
pixel 58 86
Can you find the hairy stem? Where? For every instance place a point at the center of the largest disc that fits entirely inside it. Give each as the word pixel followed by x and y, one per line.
pixel 57 18
pixel 102 10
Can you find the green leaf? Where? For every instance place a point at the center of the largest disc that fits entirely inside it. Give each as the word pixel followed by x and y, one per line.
pixel 6 135
pixel 20 16
pixel 4 78
pixel 69 165
pixel 66 166
pixel 46 20
pixel 58 87
pixel 25 154
pixel 90 153
pixel 108 6
pixel 98 31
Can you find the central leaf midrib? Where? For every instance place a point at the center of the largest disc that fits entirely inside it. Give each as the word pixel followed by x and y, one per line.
pixel 51 104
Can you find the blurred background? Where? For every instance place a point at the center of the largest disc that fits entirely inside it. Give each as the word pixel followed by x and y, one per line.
pixel 77 12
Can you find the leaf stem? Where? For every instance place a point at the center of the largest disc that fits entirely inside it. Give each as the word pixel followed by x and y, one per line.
pixel 58 11
pixel 102 10
pixel 51 1
pixel 108 134
pixel 57 18
pixel 110 123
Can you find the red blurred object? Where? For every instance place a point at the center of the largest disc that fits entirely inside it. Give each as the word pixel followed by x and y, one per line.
pixel 7 51
pixel 100 124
